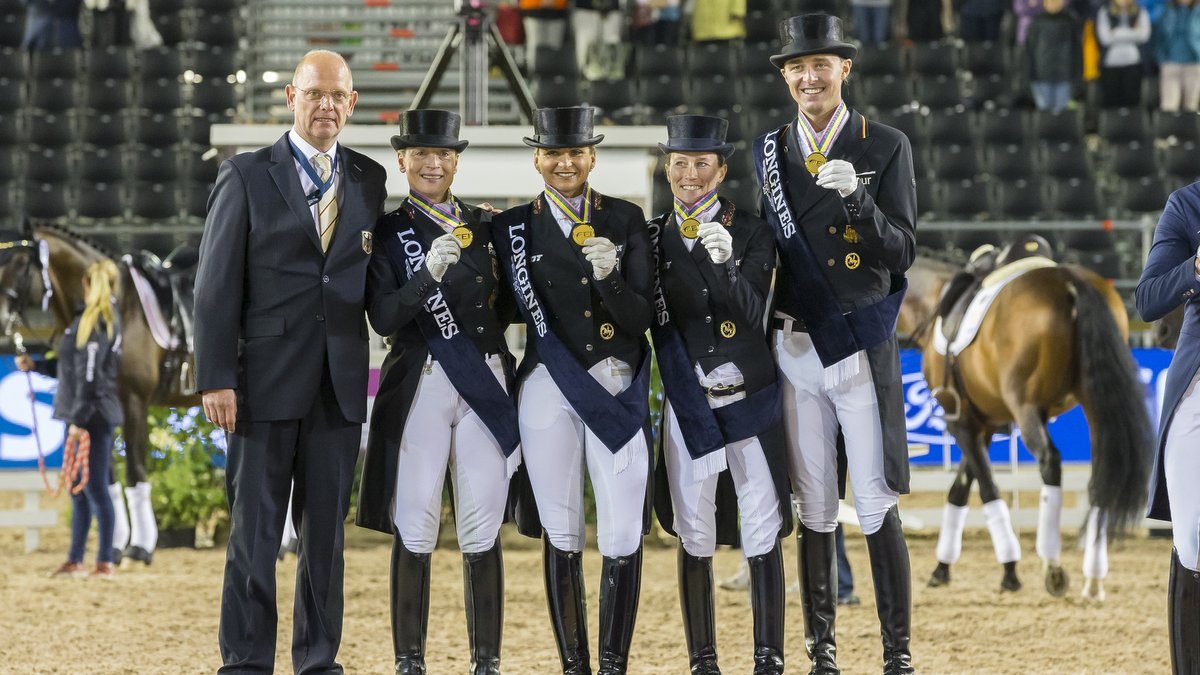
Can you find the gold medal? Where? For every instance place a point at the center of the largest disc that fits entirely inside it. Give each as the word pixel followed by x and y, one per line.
pixel 689 228
pixel 464 236
pixel 814 162
pixel 728 330
pixel 581 233
pixel 607 331
pixel 852 261
pixel 851 235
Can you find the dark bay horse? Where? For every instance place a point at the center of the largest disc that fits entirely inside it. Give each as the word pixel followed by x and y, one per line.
pixel 1052 338
pixel 22 285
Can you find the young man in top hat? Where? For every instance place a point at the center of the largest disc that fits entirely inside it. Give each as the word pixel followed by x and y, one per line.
pixel 281 361
pixel 840 195
pixel 714 264
pixel 580 265
pixel 443 398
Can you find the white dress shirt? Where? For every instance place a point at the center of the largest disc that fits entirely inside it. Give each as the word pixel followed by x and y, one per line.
pixel 306 183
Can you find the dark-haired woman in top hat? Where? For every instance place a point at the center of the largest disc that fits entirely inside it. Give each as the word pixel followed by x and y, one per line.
pixel 580 266
pixel 442 398
pixel 714 265
pixel 840 195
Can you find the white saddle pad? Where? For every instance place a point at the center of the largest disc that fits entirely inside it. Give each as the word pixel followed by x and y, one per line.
pixel 977 310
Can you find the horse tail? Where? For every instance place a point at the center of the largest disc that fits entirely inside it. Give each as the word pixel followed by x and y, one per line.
pixel 1113 399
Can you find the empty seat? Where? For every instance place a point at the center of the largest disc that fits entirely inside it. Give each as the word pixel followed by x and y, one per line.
pixel 104 130
pixel 741 166
pixel 200 128
pixel 705 59
pixel 1060 127
pixel 159 63
pixel 935 58
pixel 10 161
pixel 219 96
pixel 756 59
pixel 157 130
pixel 939 92
pixel 1009 163
pixel 218 62
pixel 612 98
pixel 743 193
pixel 54 64
pixel 1003 127
pixel 1141 196
pixel 216 29
pixel 47 165
pixel 51 130
pixel 169 26
pixel 12 63
pixel 661 95
pixel 996 89
pixel 197 199
pixel 1181 161
pixel 101 201
pixel 762 26
pixel 12 29
pixel 102 165
pixel 53 95
pixel 1095 239
pixel 766 91
pixel 155 201
pixel 12 95
pixel 10 129
pixel 1132 160
pixel 1124 125
pixel 925 200
pixel 549 61
pixel 203 170
pixel 555 91
pixel 110 62
pixel 886 93
pixel 954 162
pixel 156 165
pixel 1066 160
pixel 984 59
pixel 107 95
pixel 960 200
pixel 656 60
pixel 710 94
pixel 45 201
pixel 879 61
pixel 1184 127
pixel 1075 198
pixel 950 128
pixel 911 124
pixel 160 95
pixel 1019 199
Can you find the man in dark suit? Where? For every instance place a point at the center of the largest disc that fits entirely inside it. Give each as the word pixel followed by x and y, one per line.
pixel 281 359
pixel 840 194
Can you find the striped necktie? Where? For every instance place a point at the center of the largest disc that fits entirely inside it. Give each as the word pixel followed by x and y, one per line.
pixel 327 208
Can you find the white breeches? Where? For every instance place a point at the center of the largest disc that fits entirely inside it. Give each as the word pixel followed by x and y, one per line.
pixel 1181 463
pixel 556 444
pixel 442 430
pixel 813 411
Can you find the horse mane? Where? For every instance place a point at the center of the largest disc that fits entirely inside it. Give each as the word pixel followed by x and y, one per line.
pixel 75 237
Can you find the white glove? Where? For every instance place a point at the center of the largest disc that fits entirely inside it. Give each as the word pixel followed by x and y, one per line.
pixel 717 240
pixel 443 252
pixel 838 174
pixel 602 253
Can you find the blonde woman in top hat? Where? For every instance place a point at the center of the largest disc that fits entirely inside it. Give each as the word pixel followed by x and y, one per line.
pixel 840 195
pixel 442 403
pixel 714 268
pixel 580 265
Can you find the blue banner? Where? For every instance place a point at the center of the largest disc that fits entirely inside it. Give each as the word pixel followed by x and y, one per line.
pixel 18 447
pixel 1069 430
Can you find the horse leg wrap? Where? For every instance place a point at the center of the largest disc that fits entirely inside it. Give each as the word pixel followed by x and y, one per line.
pixel 141 517
pixel 999 523
pixel 949 544
pixel 1049 532
pixel 1095 551
pixel 120 517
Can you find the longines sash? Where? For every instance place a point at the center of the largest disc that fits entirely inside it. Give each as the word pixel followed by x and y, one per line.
pixel 457 354
pixel 706 430
pixel 836 335
pixel 613 419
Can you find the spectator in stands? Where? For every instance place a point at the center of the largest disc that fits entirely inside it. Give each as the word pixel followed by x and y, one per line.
pixel 1177 46
pixel 872 21
pixel 1054 50
pixel 110 23
pixel 979 20
pixel 1025 10
pixel 50 24
pixel 655 21
pixel 924 20
pixel 1122 27
pixel 88 358
pixel 545 25
pixel 718 20
pixel 596 25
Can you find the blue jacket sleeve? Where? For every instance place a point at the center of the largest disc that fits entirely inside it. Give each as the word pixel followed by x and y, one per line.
pixel 1169 278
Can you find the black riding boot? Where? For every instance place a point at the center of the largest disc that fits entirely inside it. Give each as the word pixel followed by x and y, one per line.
pixel 696 599
pixel 818 586
pixel 410 608
pixel 767 605
pixel 563 572
pixel 483 586
pixel 620 586
pixel 893 593
pixel 1183 609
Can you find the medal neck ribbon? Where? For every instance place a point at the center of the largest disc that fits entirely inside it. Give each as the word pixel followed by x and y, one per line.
pixel 820 142
pixel 448 218
pixel 701 205
pixel 577 216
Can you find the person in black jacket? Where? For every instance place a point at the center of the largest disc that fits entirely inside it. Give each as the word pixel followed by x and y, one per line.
pixel 442 399
pixel 88 358
pixel 714 268
pixel 581 270
pixel 1054 52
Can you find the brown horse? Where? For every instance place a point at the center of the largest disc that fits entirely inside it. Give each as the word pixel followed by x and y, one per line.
pixel 22 285
pixel 1052 337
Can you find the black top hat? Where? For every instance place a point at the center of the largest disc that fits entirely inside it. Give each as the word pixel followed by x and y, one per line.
pixel 812 34
pixel 563 128
pixel 697 133
pixel 429 129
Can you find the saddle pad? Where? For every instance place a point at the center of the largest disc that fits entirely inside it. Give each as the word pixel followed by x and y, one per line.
pixel 158 325
pixel 977 310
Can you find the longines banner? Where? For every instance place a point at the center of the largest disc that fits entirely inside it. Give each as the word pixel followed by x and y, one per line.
pixel 18 450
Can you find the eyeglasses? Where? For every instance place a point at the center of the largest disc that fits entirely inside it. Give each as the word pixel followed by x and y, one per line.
pixel 317 95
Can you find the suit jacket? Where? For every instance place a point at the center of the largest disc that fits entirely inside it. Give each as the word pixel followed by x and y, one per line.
pixel 272 311
pixel 867 264
pixel 580 309
pixel 1168 281
pixel 482 304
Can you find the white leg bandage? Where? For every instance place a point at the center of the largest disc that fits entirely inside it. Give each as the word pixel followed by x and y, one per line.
pixel 1049 532
pixel 1095 551
pixel 143 529
pixel 121 517
pixel 949 544
pixel 1004 540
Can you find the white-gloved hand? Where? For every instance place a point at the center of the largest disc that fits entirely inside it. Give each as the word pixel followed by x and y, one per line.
pixel 717 240
pixel 838 174
pixel 602 253
pixel 443 252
